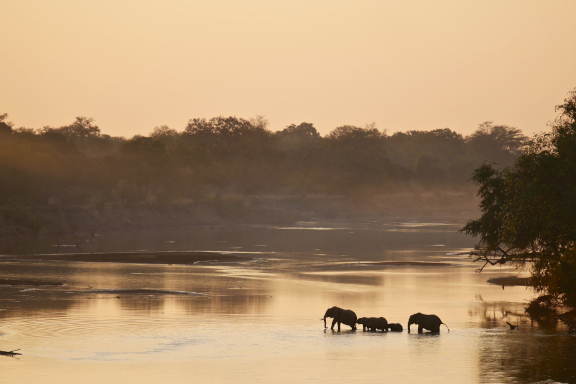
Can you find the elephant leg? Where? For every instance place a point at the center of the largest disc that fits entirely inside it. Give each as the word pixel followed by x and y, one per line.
pixel 420 328
pixel 333 324
pixel 338 326
pixel 363 328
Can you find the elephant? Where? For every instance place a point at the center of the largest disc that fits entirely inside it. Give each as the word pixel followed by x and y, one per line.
pixel 373 323
pixel 344 316
pixel 379 323
pixel 365 321
pixel 395 327
pixel 429 322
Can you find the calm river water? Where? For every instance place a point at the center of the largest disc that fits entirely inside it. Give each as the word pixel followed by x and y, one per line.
pixel 259 321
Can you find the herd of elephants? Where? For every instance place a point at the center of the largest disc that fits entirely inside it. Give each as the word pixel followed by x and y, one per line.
pixel 345 316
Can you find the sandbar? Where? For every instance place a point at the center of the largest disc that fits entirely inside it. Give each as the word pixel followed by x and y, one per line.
pixel 136 257
pixel 509 281
pixel 34 283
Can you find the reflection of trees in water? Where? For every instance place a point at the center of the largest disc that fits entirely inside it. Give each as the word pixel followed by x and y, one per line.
pixel 21 302
pixel 534 353
pixel 496 314
pixel 142 304
pixel 49 303
pixel 231 304
pixel 527 357
pixel 344 278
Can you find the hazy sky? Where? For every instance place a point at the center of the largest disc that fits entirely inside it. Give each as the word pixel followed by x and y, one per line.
pixel 133 65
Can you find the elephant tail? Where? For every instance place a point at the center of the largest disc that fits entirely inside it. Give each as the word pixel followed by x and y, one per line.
pixel 446 327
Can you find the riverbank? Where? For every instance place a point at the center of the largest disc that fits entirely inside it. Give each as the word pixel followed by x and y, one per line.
pixel 510 281
pixel 67 219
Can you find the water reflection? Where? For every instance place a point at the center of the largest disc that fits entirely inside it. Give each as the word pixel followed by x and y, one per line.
pixel 260 322
pixel 527 357
pixel 496 314
pixel 367 239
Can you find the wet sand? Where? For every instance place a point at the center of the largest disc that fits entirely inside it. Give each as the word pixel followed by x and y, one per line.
pixel 509 281
pixel 405 264
pixel 34 283
pixel 135 292
pixel 136 257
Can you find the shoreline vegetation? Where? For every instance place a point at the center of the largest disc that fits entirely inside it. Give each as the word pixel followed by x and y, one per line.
pixel 528 212
pixel 74 178
pixel 55 220
pixel 234 170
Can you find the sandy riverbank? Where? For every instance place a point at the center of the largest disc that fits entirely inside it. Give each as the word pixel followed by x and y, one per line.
pixel 134 257
pixel 509 281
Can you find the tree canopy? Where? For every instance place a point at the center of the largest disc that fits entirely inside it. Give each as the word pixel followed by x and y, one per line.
pixel 528 209
pixel 78 164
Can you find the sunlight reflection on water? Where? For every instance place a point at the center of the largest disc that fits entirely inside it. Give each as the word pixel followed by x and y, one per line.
pixel 260 322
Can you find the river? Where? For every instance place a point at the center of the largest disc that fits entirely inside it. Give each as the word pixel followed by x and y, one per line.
pixel 258 321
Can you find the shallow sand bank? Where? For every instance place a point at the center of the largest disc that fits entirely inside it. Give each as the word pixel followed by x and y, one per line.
pixel 144 291
pixel 26 282
pixel 136 257
pixel 509 281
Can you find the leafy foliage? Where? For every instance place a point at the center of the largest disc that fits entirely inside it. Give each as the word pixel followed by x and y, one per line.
pixel 528 209
pixel 78 164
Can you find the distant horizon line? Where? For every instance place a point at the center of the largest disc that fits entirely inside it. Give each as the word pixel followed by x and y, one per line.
pixel 386 131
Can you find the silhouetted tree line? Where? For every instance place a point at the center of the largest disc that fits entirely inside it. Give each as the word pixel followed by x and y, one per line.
pixel 77 164
pixel 528 212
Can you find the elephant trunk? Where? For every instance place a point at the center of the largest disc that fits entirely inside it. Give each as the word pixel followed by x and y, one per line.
pixel 325 321
pixel 409 323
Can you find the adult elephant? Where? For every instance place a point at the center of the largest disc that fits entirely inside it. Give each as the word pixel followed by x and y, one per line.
pixel 429 322
pixel 344 316
pixel 379 323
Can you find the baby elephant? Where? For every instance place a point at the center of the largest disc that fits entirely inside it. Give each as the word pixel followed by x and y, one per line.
pixel 373 323
pixel 395 327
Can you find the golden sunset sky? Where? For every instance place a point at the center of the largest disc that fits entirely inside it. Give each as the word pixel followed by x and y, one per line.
pixel 134 65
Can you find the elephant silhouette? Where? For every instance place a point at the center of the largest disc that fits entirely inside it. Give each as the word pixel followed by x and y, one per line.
pixel 429 322
pixel 344 316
